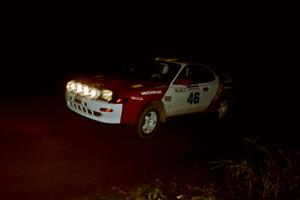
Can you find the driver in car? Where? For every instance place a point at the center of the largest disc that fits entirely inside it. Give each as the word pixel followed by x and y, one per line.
pixel 163 70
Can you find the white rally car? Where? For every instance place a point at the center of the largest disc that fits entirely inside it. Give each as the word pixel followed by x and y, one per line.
pixel 146 96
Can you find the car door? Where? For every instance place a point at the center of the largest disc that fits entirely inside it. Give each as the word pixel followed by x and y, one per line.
pixel 192 91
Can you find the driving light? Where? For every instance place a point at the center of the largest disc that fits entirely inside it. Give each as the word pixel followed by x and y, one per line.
pixel 94 93
pixel 71 86
pixel 107 95
pixel 86 90
pixel 79 88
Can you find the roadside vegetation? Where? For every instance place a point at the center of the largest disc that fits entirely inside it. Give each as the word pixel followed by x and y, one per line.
pixel 262 172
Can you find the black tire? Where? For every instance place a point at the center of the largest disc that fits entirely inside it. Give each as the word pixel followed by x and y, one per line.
pixel 149 121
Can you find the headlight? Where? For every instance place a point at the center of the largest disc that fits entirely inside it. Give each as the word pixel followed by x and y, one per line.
pixel 86 90
pixel 107 95
pixel 90 92
pixel 95 93
pixel 79 88
pixel 71 86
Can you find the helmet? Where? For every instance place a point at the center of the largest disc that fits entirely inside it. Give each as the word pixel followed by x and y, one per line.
pixel 164 68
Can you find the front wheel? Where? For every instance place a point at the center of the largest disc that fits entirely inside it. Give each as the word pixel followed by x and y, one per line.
pixel 148 122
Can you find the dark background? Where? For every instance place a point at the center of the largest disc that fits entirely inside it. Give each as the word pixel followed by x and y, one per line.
pixel 256 44
pixel 48 152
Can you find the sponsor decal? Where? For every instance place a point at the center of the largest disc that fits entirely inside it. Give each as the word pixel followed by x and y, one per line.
pixel 179 90
pixel 193 87
pixel 188 88
pixel 137 98
pixel 137 86
pixel 151 92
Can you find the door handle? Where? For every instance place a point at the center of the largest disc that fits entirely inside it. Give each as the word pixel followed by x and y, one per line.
pixel 205 89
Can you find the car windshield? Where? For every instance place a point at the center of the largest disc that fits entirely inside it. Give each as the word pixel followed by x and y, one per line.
pixel 157 71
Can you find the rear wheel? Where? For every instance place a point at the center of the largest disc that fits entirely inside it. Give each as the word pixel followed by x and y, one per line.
pixel 149 121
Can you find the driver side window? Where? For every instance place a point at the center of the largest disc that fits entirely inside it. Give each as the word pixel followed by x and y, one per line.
pixel 194 74
pixel 184 78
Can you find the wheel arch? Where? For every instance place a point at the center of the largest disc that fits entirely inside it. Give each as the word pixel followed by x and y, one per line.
pixel 131 112
pixel 158 107
pixel 161 109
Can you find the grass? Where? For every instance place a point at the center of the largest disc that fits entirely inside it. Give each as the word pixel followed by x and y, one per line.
pixel 183 187
pixel 261 173
pixel 264 173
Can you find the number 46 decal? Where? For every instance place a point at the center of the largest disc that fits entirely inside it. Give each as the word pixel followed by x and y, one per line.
pixel 194 98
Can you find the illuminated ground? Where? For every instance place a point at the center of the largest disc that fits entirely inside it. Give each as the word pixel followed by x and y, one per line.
pixel 48 152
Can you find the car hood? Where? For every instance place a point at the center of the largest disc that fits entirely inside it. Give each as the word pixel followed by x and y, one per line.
pixel 122 85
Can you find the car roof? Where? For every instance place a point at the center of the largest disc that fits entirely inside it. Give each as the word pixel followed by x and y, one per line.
pixel 177 61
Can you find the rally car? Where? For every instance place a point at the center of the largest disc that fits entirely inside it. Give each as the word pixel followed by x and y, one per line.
pixel 146 96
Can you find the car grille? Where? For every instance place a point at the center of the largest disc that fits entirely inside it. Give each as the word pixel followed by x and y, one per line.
pixel 83 109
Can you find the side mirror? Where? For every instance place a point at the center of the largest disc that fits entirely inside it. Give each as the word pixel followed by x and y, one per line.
pixel 182 81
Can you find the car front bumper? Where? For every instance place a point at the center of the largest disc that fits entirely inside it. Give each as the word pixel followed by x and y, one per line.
pixel 94 109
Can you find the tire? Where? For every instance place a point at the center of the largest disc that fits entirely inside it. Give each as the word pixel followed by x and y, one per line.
pixel 223 109
pixel 149 121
